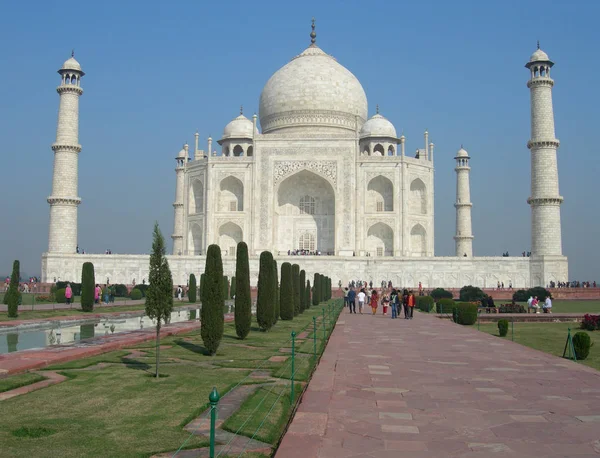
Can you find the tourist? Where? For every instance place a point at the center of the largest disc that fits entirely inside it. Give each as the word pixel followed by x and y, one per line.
pixel 535 304
pixel 394 303
pixel 68 293
pixel 97 294
pixel 411 304
pixel 179 293
pixel 385 302
pixel 361 300
pixel 374 301
pixel 105 294
pixel 529 304
pixel 345 297
pixel 547 305
pixel 405 303
pixel 351 301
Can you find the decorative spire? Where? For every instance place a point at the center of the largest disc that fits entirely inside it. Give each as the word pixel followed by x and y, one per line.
pixel 461 146
pixel 241 109
pixel 73 52
pixel 313 34
pixel 538 44
pixel 377 109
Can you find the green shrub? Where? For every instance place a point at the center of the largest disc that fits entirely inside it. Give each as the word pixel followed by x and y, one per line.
pixel 296 288
pixel 523 295
pixel 286 293
pixel 59 295
pixel 135 294
pixel 465 313
pixel 212 320
pixel 232 288
pixel 75 287
pixel 192 289
pixel 142 289
pixel 471 294
pixel 88 287
pixel 308 299
pixel 275 291
pixel 503 327
pixel 265 302
pixel 243 306
pixel 582 343
pixel 445 305
pixel 302 290
pixel 424 303
pixel 225 287
pixel 120 290
pixel 440 293
pixel 316 289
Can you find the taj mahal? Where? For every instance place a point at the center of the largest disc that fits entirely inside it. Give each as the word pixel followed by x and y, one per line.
pixel 313 173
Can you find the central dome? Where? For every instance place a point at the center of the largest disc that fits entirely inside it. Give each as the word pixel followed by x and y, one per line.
pixel 312 92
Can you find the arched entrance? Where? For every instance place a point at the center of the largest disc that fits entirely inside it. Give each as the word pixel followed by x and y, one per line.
pixel 231 196
pixel 195 240
pixel 380 240
pixel 230 234
pixel 305 211
pixel 418 241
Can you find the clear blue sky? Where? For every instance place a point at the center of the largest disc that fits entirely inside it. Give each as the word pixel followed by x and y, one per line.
pixel 157 71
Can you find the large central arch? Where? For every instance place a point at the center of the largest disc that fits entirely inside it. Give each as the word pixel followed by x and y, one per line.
pixel 380 240
pixel 230 234
pixel 305 207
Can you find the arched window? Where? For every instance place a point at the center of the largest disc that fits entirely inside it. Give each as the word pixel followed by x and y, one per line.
pixel 391 151
pixel 307 205
pixel 307 242
pixel 250 151
pixel 378 149
pixel 238 151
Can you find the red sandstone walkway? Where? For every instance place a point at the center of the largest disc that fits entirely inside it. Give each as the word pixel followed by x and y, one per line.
pixel 431 388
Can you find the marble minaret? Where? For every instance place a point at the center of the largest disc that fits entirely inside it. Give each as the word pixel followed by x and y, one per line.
pixel 545 200
pixel 182 158
pixel 62 237
pixel 464 232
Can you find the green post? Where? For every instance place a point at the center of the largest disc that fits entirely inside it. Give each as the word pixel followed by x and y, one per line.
pixel 478 320
pixel 213 398
pixel 315 337
pixel 324 326
pixel 293 357
pixel 512 329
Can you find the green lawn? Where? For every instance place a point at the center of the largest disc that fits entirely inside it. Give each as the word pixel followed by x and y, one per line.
pixel 19 380
pixel 37 298
pixel 548 337
pixel 575 307
pixel 41 314
pixel 111 406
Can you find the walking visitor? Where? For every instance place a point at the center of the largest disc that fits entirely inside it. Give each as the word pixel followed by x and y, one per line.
pixel 351 301
pixel 68 293
pixel 374 301
pixel 361 300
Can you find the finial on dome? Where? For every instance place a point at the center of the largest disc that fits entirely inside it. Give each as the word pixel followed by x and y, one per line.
pixel 538 44
pixel 72 53
pixel 313 34
pixel 377 109
pixel 241 109
pixel 461 146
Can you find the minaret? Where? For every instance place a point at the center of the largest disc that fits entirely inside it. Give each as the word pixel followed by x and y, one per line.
pixel 177 236
pixel 464 232
pixel 62 237
pixel 545 199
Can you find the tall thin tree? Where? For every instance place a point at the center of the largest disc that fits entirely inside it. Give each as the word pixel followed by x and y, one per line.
pixel 13 297
pixel 286 293
pixel 243 304
pixel 88 286
pixel 265 301
pixel 302 290
pixel 159 295
pixel 296 286
pixel 212 319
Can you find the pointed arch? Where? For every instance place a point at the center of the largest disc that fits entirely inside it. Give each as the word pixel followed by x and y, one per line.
pixel 418 241
pixel 230 234
pixel 380 240
pixel 418 197
pixel 238 150
pixel 195 239
pixel 196 197
pixel 231 194
pixel 380 194
pixel 378 148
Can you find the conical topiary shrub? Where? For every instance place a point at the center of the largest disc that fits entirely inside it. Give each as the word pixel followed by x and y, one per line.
pixel 302 290
pixel 243 304
pixel 211 315
pixel 265 301
pixel 296 286
pixel 286 293
pixel 192 289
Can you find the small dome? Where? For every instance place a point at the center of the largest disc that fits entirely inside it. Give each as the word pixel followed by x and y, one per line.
pixel 181 154
pixel 240 127
pixel 378 126
pixel 538 56
pixel 71 64
pixel 462 153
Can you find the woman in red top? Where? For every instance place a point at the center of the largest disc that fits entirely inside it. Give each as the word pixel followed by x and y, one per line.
pixel 374 301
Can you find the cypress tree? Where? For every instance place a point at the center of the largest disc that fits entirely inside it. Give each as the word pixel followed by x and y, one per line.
pixel 296 286
pixel 286 292
pixel 301 290
pixel 265 302
pixel 159 295
pixel 315 299
pixel 308 301
pixel 225 287
pixel 201 286
pixel 88 286
pixel 13 296
pixel 192 289
pixel 276 291
pixel 243 305
pixel 212 320
pixel 324 293
pixel 317 289
pixel 232 288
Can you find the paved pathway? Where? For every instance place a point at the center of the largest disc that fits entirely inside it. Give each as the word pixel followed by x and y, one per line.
pixel 431 388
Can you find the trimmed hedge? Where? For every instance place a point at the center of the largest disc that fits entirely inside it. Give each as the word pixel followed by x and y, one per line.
pixel 243 303
pixel 582 343
pixel 511 308
pixel 315 291
pixel 192 289
pixel 522 295
pixel 503 327
pixel 440 293
pixel 135 294
pixel 59 296
pixel 424 303
pixel 465 313
pixel 88 287
pixel 445 305
pixel 212 320
pixel 471 294
pixel 296 288
pixel 301 291
pixel 142 289
pixel 265 301
pixel 286 293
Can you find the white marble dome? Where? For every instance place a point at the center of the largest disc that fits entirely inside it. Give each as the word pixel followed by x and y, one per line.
pixel 312 91
pixel 538 56
pixel 462 153
pixel 71 64
pixel 378 126
pixel 240 127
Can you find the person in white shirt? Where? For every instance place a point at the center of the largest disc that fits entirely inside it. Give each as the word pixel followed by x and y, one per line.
pixel 529 303
pixel 547 305
pixel 361 300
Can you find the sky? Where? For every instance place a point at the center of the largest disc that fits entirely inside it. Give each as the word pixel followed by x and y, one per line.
pixel 158 71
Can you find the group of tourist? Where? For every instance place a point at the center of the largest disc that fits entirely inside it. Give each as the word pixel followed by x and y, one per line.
pixel 572 284
pixel 533 304
pixel 305 253
pixel 388 299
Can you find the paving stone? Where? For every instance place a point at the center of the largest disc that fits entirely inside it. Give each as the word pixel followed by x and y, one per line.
pixel 588 418
pixel 401 429
pixel 395 416
pixel 490 390
pixel 529 418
